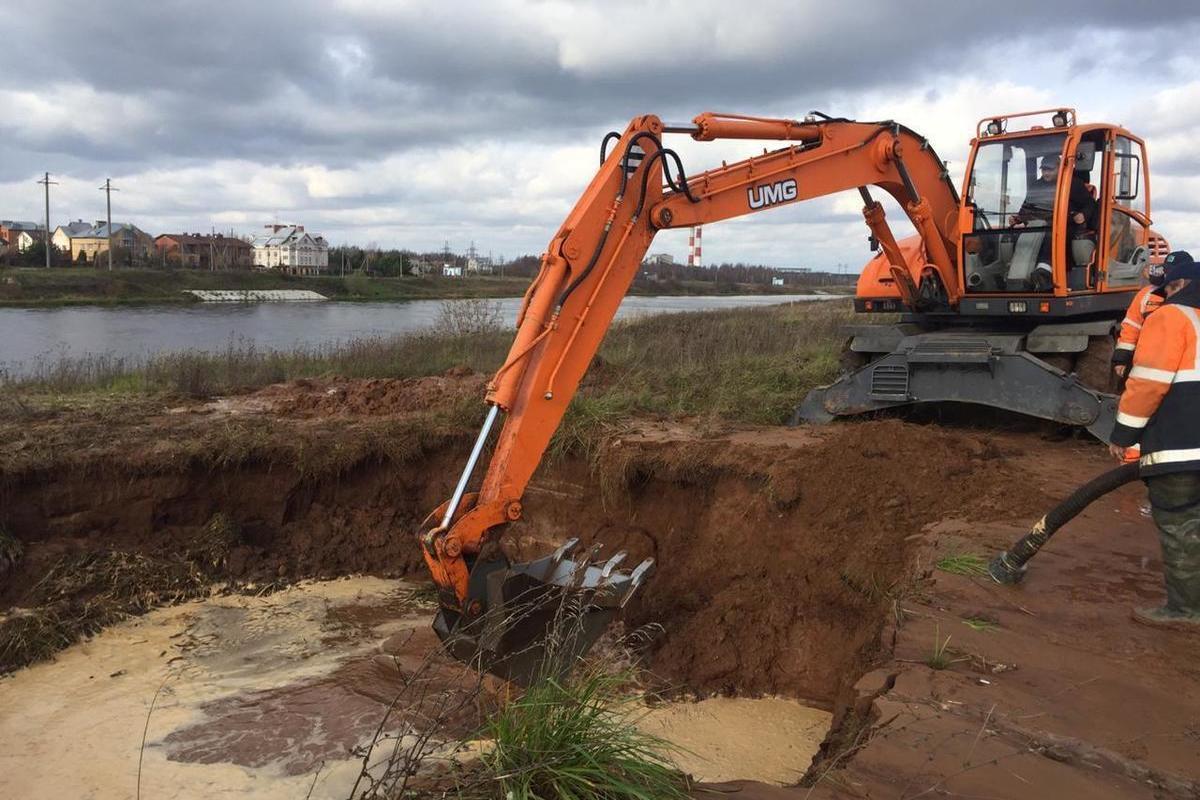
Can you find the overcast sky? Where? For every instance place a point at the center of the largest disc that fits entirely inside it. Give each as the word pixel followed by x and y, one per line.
pixel 410 123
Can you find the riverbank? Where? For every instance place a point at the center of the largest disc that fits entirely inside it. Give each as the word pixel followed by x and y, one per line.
pixel 32 287
pixel 744 364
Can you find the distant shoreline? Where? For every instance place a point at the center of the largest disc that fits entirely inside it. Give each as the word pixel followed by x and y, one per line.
pixel 72 286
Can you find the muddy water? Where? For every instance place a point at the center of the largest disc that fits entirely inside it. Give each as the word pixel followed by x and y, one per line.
pixel 243 707
pixel 268 697
pixel 769 739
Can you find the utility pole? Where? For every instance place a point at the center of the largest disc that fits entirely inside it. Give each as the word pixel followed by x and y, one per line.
pixel 108 189
pixel 45 181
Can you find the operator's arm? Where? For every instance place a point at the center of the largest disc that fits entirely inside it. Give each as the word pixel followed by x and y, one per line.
pixel 1158 357
pixel 1082 202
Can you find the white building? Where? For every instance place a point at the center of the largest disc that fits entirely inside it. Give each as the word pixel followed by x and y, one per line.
pixel 290 248
pixel 26 240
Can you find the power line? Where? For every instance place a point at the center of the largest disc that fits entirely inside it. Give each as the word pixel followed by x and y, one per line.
pixel 45 181
pixel 108 189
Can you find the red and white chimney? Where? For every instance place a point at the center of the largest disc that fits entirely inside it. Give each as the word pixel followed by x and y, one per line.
pixel 694 247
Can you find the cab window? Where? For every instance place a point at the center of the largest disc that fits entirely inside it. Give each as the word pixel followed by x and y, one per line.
pixel 1012 189
pixel 1127 232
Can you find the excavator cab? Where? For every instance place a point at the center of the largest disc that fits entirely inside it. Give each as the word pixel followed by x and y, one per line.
pixel 1052 237
pixel 1039 201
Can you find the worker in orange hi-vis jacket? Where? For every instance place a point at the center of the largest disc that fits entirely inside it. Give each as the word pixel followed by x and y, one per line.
pixel 1158 412
pixel 1147 299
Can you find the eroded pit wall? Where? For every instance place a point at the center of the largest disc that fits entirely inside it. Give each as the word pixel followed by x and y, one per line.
pixel 781 553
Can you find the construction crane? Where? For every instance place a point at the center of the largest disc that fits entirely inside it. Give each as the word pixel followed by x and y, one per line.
pixel 1001 296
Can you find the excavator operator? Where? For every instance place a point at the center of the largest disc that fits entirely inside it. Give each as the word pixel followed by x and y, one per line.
pixel 1039 206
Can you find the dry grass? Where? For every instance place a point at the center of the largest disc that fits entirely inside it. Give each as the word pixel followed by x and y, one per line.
pixel 746 364
pixel 84 592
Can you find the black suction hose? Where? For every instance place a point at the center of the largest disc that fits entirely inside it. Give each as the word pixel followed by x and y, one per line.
pixel 1009 567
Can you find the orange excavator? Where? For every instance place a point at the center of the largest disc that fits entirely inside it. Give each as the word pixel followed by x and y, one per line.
pixel 1003 298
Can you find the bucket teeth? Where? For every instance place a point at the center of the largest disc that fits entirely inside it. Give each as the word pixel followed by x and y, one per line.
pixel 607 570
pixel 587 573
pixel 639 574
pixel 522 633
pixel 564 551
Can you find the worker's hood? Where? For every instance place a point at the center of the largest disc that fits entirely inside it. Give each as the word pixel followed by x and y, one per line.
pixel 1188 295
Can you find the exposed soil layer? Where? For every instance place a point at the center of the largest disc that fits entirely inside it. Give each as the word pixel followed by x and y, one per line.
pixel 769 581
pixel 376 396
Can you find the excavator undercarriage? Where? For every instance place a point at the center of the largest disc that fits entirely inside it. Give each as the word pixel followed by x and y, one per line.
pixel 1057 372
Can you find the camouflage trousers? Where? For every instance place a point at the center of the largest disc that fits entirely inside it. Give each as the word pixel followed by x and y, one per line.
pixel 1175 503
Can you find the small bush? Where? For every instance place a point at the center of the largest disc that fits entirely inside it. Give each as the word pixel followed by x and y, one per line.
pixel 468 317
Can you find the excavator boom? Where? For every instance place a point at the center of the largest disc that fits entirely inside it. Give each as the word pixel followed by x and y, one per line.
pixel 508 617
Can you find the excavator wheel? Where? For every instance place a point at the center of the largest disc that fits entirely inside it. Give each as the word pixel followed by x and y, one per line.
pixel 1094 365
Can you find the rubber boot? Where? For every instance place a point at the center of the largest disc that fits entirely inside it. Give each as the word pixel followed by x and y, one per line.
pixel 1175 501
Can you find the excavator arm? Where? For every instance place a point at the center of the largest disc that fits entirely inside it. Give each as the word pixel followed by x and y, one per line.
pixel 497 613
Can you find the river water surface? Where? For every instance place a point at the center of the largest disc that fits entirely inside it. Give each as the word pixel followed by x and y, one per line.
pixel 29 336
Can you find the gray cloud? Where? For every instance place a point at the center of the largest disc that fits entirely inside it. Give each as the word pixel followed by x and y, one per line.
pixel 208 96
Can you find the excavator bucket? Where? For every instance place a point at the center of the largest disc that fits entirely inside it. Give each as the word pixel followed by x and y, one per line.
pixel 540 616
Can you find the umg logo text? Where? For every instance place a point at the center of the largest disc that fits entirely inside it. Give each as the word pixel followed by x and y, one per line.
pixel 772 193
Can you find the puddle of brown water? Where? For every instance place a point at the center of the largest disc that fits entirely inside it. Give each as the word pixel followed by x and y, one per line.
pixel 767 739
pixel 248 704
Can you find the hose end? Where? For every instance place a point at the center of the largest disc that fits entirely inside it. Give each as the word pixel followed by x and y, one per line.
pixel 1006 570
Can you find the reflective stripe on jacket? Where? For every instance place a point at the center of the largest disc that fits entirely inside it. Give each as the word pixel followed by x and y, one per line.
pixel 1157 408
pixel 1144 302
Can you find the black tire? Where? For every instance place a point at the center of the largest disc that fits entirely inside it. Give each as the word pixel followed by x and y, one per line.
pixel 1094 365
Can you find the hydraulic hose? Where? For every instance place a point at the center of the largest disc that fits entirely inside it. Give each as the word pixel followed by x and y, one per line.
pixel 587 270
pixel 1009 567
pixel 608 137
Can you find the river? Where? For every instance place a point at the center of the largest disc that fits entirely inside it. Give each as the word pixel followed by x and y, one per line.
pixel 30 335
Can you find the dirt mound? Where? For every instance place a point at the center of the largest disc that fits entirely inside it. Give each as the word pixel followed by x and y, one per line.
pixel 780 558
pixel 374 397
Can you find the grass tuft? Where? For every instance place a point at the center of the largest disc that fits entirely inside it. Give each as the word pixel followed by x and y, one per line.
pixel 971 565
pixel 939 658
pixel 578 739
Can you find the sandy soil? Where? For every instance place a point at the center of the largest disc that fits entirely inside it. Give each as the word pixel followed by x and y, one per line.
pixel 771 739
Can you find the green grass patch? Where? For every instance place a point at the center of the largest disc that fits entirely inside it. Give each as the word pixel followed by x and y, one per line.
pixel 578 739
pixel 970 565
